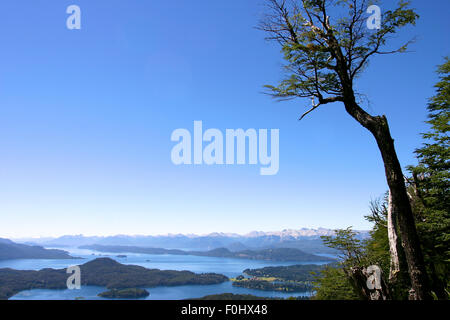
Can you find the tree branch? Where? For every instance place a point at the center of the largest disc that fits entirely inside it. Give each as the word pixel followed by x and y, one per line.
pixel 321 102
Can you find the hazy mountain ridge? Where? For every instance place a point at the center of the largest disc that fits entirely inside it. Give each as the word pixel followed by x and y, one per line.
pixel 278 254
pixel 12 250
pixel 304 239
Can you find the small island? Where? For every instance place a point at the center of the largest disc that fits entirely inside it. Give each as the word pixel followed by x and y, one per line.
pixel 129 293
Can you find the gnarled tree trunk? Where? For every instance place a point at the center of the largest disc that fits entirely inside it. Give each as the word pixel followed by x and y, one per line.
pixel 379 128
pixel 400 200
pixel 368 285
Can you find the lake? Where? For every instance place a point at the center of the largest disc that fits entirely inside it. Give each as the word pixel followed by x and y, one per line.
pixel 197 264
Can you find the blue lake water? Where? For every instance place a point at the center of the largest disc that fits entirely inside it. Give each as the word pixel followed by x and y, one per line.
pixel 197 264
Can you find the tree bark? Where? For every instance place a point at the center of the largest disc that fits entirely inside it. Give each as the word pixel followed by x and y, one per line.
pixel 358 281
pixel 393 241
pixel 379 128
pixel 359 278
pixel 407 226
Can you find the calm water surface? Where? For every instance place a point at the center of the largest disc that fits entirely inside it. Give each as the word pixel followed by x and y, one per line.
pixel 197 264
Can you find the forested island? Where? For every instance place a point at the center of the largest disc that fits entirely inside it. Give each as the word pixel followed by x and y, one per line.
pixel 129 293
pixel 276 254
pixel 103 272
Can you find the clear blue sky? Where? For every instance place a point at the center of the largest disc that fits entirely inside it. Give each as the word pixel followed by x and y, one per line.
pixel 86 117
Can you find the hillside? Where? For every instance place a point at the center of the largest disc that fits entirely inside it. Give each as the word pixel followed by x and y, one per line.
pixel 302 272
pixel 296 278
pixel 276 254
pixel 133 249
pixel 12 250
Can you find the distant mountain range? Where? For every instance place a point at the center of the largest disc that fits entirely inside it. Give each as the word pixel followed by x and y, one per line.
pixel 307 240
pixel 276 254
pixel 12 250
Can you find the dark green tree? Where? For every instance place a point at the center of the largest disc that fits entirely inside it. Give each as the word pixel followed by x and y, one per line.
pixel 324 56
pixel 429 187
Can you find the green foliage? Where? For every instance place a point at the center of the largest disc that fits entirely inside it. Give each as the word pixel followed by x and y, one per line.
pixel 430 186
pixel 285 286
pixel 296 278
pixel 301 272
pixel 325 41
pixel 377 246
pixel 363 253
pixel 128 293
pixel 347 243
pixel 332 284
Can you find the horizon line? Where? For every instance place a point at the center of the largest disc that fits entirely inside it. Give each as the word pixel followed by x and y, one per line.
pixel 180 234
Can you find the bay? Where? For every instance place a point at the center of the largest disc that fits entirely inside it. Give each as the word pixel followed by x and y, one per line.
pixel 198 264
